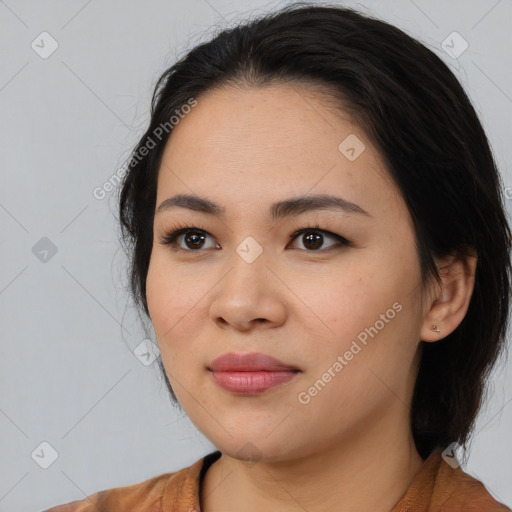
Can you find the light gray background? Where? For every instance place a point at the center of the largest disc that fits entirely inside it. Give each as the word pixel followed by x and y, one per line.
pixel 68 376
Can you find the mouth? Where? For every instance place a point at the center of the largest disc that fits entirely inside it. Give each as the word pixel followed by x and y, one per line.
pixel 250 373
pixel 252 382
pixel 249 362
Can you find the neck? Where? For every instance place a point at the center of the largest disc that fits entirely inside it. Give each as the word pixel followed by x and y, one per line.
pixel 371 471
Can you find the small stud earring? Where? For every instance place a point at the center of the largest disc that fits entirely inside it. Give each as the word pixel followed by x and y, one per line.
pixel 435 328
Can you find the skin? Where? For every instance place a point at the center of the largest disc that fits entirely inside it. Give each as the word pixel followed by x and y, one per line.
pixel 350 448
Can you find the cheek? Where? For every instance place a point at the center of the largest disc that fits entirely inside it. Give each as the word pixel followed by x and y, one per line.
pixel 166 307
pixel 371 319
pixel 351 301
pixel 171 296
pixel 158 295
pixel 176 301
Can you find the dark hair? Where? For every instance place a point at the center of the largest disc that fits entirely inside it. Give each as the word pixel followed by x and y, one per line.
pixel 416 113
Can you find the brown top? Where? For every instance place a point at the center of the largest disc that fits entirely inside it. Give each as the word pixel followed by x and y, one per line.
pixel 436 487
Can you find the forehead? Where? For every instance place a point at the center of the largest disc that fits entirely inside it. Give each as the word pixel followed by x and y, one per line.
pixel 274 142
pixel 261 124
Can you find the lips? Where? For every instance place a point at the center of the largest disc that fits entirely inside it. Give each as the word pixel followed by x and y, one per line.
pixel 250 373
pixel 249 362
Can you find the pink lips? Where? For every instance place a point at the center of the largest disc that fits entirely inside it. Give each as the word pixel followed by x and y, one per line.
pixel 250 373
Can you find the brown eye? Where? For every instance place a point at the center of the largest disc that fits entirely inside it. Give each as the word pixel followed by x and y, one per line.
pixel 192 238
pixel 313 239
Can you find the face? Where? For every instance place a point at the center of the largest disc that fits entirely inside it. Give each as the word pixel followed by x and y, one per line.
pixel 340 301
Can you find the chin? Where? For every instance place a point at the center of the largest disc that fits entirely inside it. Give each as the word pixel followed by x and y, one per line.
pixel 253 449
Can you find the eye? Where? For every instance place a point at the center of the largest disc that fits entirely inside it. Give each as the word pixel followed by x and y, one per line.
pixel 194 238
pixel 313 237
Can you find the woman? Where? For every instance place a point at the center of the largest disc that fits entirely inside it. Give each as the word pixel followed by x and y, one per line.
pixel 317 233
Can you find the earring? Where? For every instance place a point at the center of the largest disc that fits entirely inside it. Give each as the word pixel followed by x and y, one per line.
pixel 435 328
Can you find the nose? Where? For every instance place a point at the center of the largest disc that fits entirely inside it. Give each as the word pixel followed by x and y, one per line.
pixel 250 296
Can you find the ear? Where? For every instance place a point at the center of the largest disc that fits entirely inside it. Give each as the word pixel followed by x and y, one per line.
pixel 450 302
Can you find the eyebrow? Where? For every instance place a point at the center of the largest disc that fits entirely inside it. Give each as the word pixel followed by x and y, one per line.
pixel 278 210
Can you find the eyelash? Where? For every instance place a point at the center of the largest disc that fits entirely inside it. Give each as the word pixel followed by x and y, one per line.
pixel 180 229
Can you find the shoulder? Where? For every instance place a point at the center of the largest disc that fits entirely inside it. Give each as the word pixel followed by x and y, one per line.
pixel 456 490
pixel 145 496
